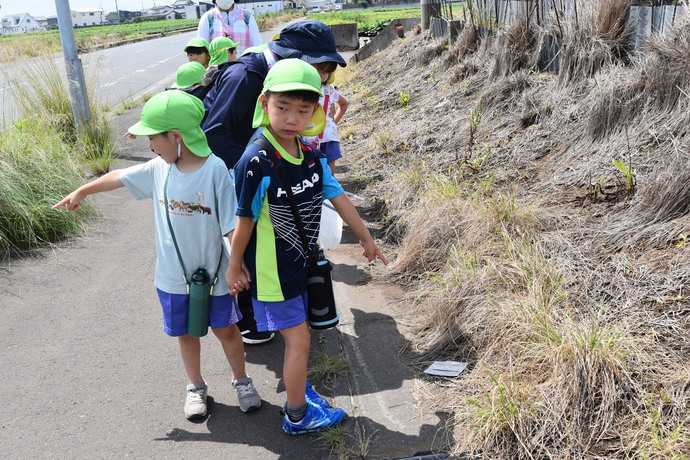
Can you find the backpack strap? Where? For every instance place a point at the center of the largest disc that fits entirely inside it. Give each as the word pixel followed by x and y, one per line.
pixel 312 252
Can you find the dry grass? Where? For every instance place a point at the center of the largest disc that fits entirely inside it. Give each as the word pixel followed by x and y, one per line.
pixel 596 40
pixel 572 311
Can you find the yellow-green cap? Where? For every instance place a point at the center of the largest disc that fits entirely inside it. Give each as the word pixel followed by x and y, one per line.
pixel 292 75
pixel 196 42
pixel 188 74
pixel 174 110
pixel 218 48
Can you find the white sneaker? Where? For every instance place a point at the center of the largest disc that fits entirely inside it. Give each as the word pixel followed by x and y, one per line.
pixel 195 405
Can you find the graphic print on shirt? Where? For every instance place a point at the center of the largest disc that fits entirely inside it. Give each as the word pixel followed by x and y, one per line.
pixel 284 223
pixel 184 208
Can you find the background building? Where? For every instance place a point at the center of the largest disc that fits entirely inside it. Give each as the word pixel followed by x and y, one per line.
pixel 88 17
pixel 19 24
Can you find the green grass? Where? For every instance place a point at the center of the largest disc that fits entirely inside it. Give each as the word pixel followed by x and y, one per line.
pixel 370 21
pixel 43 158
pixel 37 169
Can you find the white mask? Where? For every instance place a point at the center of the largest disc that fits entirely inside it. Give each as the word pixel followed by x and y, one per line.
pixel 224 4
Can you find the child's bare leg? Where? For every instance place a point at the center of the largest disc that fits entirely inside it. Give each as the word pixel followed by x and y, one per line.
pixel 190 350
pixel 231 340
pixel 332 166
pixel 297 341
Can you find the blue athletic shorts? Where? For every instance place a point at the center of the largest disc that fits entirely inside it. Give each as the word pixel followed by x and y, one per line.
pixel 274 316
pixel 331 150
pixel 222 311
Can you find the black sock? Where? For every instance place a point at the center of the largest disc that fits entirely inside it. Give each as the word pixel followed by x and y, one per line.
pixel 296 413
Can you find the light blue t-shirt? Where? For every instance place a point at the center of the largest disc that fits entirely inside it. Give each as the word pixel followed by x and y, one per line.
pixel 202 207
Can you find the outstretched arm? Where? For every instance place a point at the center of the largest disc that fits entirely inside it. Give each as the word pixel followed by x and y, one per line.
pixel 105 183
pixel 347 211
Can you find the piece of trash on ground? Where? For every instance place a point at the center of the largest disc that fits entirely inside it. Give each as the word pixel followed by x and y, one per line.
pixel 446 368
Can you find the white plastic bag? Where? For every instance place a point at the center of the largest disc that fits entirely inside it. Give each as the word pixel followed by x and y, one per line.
pixel 331 226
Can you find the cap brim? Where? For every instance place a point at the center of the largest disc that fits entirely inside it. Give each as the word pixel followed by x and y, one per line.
pixel 140 130
pixel 310 57
pixel 318 58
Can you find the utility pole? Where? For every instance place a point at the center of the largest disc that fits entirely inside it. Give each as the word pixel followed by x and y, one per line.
pixel 429 9
pixel 75 72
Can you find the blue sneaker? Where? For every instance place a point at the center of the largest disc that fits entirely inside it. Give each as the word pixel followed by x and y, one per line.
pixel 312 396
pixel 315 419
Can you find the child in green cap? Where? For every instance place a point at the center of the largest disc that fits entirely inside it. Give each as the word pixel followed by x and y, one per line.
pixel 267 238
pixel 189 78
pixel 197 49
pixel 222 50
pixel 193 194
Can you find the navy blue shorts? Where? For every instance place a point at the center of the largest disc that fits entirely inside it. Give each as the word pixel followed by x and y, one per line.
pixel 274 316
pixel 222 312
pixel 331 150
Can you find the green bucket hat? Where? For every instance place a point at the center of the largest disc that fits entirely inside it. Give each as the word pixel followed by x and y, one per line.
pixel 218 49
pixel 293 75
pixel 188 74
pixel 174 110
pixel 196 42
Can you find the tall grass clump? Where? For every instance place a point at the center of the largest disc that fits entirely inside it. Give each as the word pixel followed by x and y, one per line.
pixel 37 169
pixel 44 158
pixel 596 37
pixel 42 89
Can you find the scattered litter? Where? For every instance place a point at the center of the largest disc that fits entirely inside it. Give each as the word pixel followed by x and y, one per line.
pixel 446 368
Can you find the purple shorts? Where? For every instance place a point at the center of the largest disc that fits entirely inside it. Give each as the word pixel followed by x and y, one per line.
pixel 331 150
pixel 274 316
pixel 222 312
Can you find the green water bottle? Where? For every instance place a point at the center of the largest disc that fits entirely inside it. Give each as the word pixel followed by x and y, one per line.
pixel 199 292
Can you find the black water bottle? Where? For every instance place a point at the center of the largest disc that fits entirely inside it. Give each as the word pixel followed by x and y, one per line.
pixel 322 311
pixel 199 291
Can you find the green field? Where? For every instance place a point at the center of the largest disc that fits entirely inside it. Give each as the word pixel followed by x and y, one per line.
pixel 370 21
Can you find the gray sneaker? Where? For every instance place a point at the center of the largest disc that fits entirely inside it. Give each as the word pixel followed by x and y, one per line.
pixel 195 405
pixel 247 395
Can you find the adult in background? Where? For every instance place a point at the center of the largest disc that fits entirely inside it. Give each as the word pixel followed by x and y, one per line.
pixel 230 109
pixel 227 19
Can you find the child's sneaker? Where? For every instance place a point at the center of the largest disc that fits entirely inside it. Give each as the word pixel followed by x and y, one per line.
pixel 315 419
pixel 312 396
pixel 247 395
pixel 195 404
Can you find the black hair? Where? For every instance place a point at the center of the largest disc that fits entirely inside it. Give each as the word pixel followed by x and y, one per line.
pixel 197 50
pixel 328 66
pixel 303 94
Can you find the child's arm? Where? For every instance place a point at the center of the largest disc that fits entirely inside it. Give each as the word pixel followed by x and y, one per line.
pixel 246 275
pixel 236 278
pixel 110 181
pixel 342 107
pixel 347 211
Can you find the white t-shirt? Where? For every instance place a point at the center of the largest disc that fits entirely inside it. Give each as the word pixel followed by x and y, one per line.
pixel 330 133
pixel 202 208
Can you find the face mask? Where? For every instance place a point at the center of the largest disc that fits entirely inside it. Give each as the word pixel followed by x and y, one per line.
pixel 224 4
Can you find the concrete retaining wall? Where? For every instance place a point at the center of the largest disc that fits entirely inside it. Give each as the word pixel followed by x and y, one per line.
pixel 386 37
pixel 346 36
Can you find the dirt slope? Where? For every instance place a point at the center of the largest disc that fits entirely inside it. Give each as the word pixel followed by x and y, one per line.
pixel 592 174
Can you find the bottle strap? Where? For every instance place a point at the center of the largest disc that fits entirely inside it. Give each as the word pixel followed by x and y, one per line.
pixel 172 233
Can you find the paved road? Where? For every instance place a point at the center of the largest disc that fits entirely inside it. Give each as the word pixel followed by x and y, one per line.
pixel 88 372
